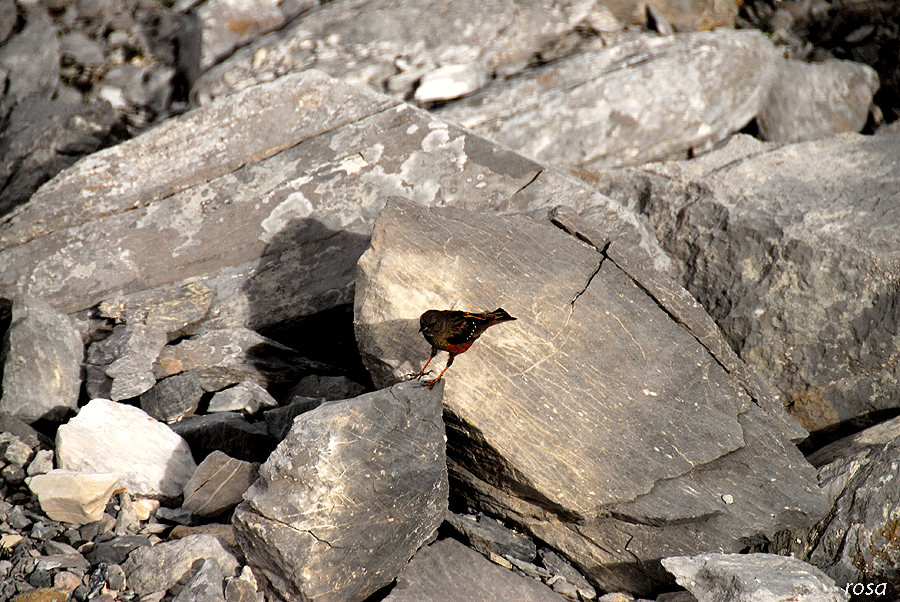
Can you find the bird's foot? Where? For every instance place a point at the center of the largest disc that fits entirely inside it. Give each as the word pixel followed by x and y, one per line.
pixel 431 383
pixel 418 374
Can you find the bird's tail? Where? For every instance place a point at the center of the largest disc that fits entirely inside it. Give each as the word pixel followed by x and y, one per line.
pixel 500 315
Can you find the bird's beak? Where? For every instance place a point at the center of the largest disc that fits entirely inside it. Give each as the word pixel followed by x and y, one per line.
pixel 421 328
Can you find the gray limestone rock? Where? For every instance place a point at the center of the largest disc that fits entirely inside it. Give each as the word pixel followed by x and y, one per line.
pixel 793 251
pixel 391 44
pixel 29 60
pixel 280 420
pixel 816 100
pixel 447 571
pixel 221 358
pixel 347 498
pixel 753 578
pixel 856 543
pixel 40 362
pixel 666 434
pixel 121 365
pixel 43 137
pixel 158 568
pixel 638 101
pixel 246 397
pixel 172 398
pixel 489 536
pixel 271 219
pixel 218 484
pixel 174 309
pixel 207 585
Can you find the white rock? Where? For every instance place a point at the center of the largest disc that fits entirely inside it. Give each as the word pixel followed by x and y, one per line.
pixel 247 396
pixel 111 437
pixel 449 82
pixel 73 497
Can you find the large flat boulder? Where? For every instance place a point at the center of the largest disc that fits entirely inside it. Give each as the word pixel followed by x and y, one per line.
pixel 253 211
pixel 596 421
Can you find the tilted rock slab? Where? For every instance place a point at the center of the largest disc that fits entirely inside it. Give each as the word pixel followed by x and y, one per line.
pixel 753 578
pixel 253 210
pixel 157 568
pixel 391 44
pixel 795 251
pixel 856 544
pixel 347 498
pixel 40 361
pixel 448 571
pixel 627 104
pixel 595 421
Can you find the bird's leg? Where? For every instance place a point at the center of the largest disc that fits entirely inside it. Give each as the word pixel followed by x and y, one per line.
pixel 430 383
pixel 422 372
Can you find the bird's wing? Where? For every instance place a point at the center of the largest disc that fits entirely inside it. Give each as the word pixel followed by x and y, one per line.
pixel 462 328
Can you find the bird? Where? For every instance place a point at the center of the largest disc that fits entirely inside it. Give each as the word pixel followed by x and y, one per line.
pixel 454 331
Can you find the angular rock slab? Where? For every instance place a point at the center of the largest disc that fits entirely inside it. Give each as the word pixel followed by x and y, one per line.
pixel 73 497
pixel 448 571
pixel 157 568
pixel 369 41
pixel 856 543
pixel 347 498
pixel 41 358
pixel 802 242
pixel 110 437
pixel 627 104
pixel 753 578
pixel 270 219
pixel 594 421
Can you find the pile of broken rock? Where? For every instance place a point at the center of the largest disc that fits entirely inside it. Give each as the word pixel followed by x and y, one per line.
pixel 207 331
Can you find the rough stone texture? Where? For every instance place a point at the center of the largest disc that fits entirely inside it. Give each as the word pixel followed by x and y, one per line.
pixel 46 136
pixel 391 44
pixel 850 446
pixel 348 497
pixel 627 104
pixel 268 203
pixel 40 361
pixel 248 397
pixel 146 241
pixel 488 536
pixel 109 437
pixel 665 434
pixel 157 568
pixel 794 252
pixel 447 571
pixel 207 585
pixel 753 578
pixel 228 25
pixel 815 100
pixel 172 398
pixel 218 484
pixel 72 497
pixel 121 365
pixel 221 358
pixel 280 420
pixel 173 309
pixel 858 541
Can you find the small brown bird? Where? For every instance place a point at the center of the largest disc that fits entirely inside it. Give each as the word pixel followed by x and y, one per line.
pixel 454 332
